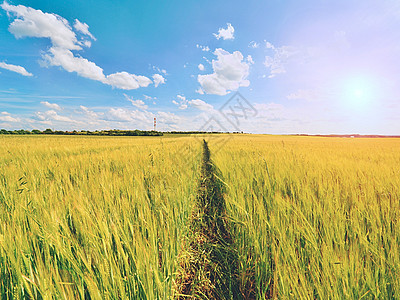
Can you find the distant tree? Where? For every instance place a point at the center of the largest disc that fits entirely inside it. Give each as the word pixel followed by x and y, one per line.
pixel 22 131
pixel 113 132
pixel 48 131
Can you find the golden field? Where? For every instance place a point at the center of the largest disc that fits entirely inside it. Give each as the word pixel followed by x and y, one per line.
pixel 105 217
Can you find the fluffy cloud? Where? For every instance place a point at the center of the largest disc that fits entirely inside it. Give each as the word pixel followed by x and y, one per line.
pixel 279 58
pixel 126 81
pixel 226 34
pixel 83 28
pixel 6 117
pixel 308 95
pixel 34 23
pixel 250 60
pixel 159 70
pixel 158 79
pixel 30 22
pixel 270 112
pixel 200 104
pixel 14 68
pixel 181 103
pixel 268 45
pixel 65 58
pixel 146 97
pixel 203 48
pixel 200 91
pixel 230 73
pixel 138 103
pixel 126 115
pixel 51 105
pixel 201 67
pixel 168 118
pixel 121 115
pixel 53 115
pixel 91 114
pixel 184 103
pixel 253 44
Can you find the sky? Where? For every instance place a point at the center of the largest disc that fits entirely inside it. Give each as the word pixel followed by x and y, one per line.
pixel 272 66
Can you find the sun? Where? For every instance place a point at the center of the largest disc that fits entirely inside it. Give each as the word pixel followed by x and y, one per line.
pixel 358 92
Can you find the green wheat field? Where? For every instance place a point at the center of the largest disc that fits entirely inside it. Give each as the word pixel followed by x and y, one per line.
pixel 128 218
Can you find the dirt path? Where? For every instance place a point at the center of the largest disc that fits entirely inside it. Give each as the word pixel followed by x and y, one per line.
pixel 209 259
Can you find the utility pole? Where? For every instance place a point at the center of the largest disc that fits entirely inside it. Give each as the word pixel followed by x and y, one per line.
pixel 155 124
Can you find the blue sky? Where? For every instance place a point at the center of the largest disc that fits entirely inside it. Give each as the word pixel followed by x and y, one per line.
pixel 303 66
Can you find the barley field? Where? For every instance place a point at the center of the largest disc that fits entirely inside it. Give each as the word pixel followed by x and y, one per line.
pixel 117 217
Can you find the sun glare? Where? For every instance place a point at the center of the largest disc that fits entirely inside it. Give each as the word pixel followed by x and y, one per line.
pixel 359 92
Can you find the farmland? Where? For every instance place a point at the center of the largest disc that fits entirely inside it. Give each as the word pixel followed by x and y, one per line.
pixel 112 217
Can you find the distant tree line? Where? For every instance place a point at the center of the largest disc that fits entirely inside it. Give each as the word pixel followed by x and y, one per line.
pixel 199 132
pixel 113 132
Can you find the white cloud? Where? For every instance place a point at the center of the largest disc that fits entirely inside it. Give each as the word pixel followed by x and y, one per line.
pixel 182 103
pixel 180 97
pixel 91 114
pixel 268 107
pixel 34 23
pixel 250 60
pixel 226 34
pixel 281 55
pixel 146 97
pixel 308 95
pixel 6 117
pixel 270 112
pixel 65 58
pixel 230 73
pixel 253 44
pixel 138 103
pixel 85 68
pixel 200 104
pixel 126 115
pixel 201 67
pixel 160 70
pixel 119 114
pixel 200 91
pixel 158 79
pixel 203 48
pixel 207 60
pixel 168 118
pixel 87 43
pixel 51 105
pixel 14 68
pixel 30 22
pixel 84 28
pixel 268 45
pixel 53 115
pixel 126 81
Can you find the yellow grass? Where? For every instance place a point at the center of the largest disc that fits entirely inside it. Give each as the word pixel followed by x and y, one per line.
pixel 106 216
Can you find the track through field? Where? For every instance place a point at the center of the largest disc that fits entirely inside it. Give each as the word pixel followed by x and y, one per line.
pixel 209 261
